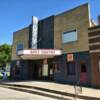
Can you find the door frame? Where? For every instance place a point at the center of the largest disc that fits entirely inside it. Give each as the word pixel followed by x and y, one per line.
pixel 83 72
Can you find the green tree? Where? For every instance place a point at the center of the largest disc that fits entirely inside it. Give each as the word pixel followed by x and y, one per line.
pixel 5 54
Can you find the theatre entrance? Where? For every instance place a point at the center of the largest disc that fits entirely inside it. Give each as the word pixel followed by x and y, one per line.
pixel 34 70
pixel 39 71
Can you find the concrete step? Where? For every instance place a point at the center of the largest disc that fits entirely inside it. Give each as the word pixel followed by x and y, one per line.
pixel 47 92
pixel 40 92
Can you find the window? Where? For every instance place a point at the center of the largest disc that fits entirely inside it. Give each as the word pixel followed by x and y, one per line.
pixel 69 36
pixel 71 68
pixel 20 46
pixel 83 67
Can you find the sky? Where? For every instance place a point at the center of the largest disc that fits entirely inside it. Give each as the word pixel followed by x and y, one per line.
pixel 17 14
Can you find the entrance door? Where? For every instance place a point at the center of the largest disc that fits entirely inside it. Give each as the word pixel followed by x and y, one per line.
pixel 30 70
pixel 37 71
pixel 34 70
pixel 83 74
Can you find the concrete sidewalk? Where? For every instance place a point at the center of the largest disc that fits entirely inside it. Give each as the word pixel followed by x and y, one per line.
pixel 65 88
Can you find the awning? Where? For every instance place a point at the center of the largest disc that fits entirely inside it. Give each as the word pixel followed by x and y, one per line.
pixel 34 54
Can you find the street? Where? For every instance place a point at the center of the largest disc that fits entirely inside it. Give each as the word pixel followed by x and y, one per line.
pixel 7 94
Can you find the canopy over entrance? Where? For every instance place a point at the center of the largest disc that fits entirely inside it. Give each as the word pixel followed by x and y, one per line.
pixel 34 54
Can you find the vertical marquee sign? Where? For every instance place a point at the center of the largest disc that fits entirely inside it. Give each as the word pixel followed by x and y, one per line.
pixel 34 32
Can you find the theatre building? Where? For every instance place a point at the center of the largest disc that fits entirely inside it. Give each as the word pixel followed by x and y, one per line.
pixel 56 48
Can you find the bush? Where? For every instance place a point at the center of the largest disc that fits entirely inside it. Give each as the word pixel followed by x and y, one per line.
pixel 1 77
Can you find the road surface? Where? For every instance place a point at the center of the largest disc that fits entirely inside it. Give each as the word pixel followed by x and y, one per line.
pixel 8 94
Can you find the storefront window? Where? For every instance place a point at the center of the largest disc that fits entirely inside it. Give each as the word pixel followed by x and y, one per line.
pixel 71 68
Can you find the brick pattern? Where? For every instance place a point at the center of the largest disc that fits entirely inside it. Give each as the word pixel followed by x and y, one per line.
pixel 78 19
pixel 95 47
pixel 95 58
pixel 94 38
pixel 21 36
pixel 94 33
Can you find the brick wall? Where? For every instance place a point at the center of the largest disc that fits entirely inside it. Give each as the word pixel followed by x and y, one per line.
pixel 77 18
pixel 94 45
pixel 21 36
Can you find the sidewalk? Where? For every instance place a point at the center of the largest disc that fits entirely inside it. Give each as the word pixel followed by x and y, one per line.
pixel 63 88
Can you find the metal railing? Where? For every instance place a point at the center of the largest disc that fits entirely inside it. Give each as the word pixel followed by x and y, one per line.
pixel 78 89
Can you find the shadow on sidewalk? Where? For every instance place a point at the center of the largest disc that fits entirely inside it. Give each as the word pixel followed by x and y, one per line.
pixel 44 91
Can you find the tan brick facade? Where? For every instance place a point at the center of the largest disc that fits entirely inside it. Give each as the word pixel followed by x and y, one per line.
pixel 21 36
pixel 50 37
pixel 78 19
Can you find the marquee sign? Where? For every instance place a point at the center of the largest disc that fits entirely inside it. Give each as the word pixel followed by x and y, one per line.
pixel 40 52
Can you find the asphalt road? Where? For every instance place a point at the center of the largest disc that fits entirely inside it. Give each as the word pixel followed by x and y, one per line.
pixel 8 94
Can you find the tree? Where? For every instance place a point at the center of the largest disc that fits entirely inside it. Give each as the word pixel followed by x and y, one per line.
pixel 5 54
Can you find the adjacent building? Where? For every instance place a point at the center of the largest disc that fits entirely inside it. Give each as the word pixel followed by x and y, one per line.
pixel 94 45
pixel 61 48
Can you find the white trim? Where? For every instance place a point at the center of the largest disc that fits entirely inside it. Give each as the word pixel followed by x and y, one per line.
pixel 94 30
pixel 99 65
pixel 93 51
pixel 97 43
pixel 37 52
pixel 93 37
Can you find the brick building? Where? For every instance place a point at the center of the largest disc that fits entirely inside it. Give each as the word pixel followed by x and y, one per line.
pixel 94 44
pixel 56 48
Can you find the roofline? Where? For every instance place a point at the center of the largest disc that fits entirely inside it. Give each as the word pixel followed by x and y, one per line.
pixel 55 15
pixel 73 9
pixel 22 29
